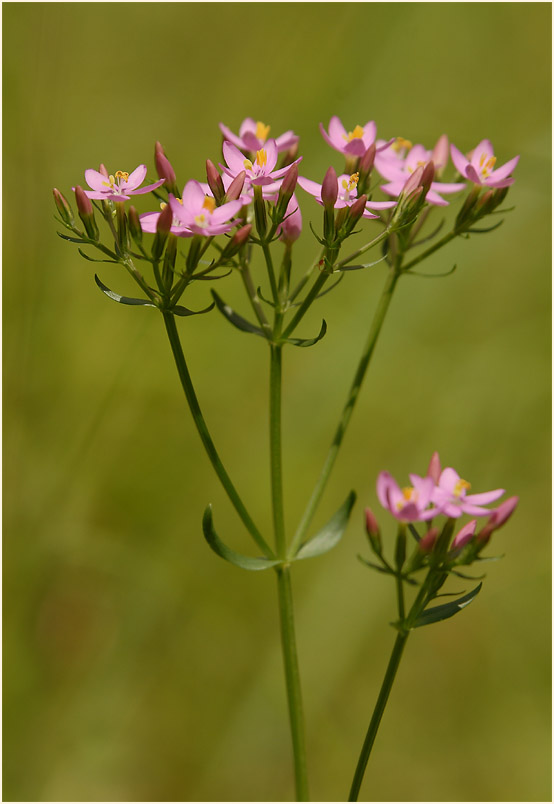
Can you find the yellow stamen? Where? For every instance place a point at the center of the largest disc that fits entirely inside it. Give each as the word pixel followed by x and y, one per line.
pixel 460 486
pixel 200 220
pixel 209 203
pixel 261 157
pixel 163 205
pixel 247 164
pixel 401 143
pixel 353 181
pixel 262 131
pixel 357 134
pixel 407 492
pixel 482 160
pixel 491 163
pixel 121 174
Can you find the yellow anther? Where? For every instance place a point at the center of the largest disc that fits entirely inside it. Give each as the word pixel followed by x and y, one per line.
pixel 482 160
pixel 401 143
pixel 262 131
pixel 491 163
pixel 200 220
pixel 163 205
pixel 111 179
pixel 357 134
pixel 460 486
pixel 408 493
pixel 121 174
pixel 209 203
pixel 247 164
pixel 261 157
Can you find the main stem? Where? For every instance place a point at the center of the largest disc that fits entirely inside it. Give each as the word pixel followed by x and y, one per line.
pixel 375 721
pixel 284 590
pixel 355 387
pixel 204 434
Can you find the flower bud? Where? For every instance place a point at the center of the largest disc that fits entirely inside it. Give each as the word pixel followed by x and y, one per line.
pixel 134 225
pixel 434 468
pixel 330 189
pixel 289 156
pixel 466 214
pixel 356 211
pixel 427 177
pixel 165 170
pixel 66 213
pixel 236 242
pixel 497 519
pixel 427 542
pixel 440 153
pixel 286 191
pixel 291 227
pixel 367 160
pixel 235 188
pixel 215 182
pixel 413 181
pixel 163 227
pixel 103 170
pixel 373 532
pixel 86 213
pixel 465 535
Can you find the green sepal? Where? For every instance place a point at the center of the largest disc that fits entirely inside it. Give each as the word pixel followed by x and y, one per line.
pixel 409 272
pixel 91 259
pixel 207 277
pixel 307 341
pixel 438 613
pixel 221 549
pixel 367 563
pixel 428 237
pixel 331 533
pixel 234 318
pixel 121 299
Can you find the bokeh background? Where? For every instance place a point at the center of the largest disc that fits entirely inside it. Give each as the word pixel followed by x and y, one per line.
pixel 138 665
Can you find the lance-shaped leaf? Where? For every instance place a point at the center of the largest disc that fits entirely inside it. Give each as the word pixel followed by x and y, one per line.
pixel 92 259
pixel 307 341
pixel 121 299
pixel 331 533
pixel 364 265
pixel 438 613
pixel 180 310
pixel 237 320
pixel 221 549
pixel 72 239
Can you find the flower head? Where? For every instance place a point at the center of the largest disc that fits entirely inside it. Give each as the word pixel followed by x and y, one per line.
pixel 253 136
pixel 347 193
pixel 119 186
pixel 397 164
pixel 351 143
pixel 479 166
pixel 261 170
pixel 409 504
pixel 451 496
pixel 195 213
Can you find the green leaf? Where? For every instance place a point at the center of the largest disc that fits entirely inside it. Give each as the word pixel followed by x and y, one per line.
pixel 331 533
pixel 488 229
pixel 221 549
pixel 438 613
pixel 367 563
pixel 72 239
pixel 121 299
pixel 263 298
pixel 307 341
pixel 91 259
pixel 414 532
pixel 364 265
pixel 180 310
pixel 237 320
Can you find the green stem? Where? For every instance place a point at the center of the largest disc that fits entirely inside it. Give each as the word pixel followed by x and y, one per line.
pixel 275 449
pixel 431 250
pixel 300 313
pixel 375 721
pixel 204 434
pixel 292 679
pixel 377 323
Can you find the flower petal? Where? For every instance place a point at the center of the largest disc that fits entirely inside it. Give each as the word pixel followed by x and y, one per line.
pixel 459 160
pixel 501 173
pixel 136 177
pixel 485 497
pixel 96 180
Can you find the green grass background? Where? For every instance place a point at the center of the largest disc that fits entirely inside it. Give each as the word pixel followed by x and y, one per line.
pixel 138 665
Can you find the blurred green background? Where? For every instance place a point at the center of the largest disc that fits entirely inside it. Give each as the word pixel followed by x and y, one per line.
pixel 138 665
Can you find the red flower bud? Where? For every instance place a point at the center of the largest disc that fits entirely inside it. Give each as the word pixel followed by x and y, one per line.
pixel 235 188
pixel 427 542
pixel 63 207
pixel 367 160
pixel 83 202
pixel 165 220
pixel 215 182
pixel 434 469
pixel 330 189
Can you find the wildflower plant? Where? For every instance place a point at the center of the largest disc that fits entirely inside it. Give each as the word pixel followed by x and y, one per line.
pixel 248 212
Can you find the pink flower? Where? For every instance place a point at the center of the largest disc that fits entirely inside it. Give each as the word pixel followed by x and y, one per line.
pixel 261 171
pixel 479 168
pixel 347 194
pixel 351 143
pixel 450 495
pixel 195 213
pixel 253 136
pixel 118 187
pixel 290 229
pixel 397 168
pixel 408 504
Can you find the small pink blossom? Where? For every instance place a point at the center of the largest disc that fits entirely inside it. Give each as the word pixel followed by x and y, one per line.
pixel 291 227
pixel 450 495
pixel 351 143
pixel 196 213
pixel 347 194
pixel 253 136
pixel 398 168
pixel 259 172
pixel 479 167
pixel 408 504
pixel 120 186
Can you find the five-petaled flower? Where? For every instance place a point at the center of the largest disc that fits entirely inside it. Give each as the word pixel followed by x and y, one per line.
pixel 479 167
pixel 253 136
pixel 119 186
pixel 347 194
pixel 351 143
pixel 450 495
pixel 409 504
pixel 397 166
pixel 195 213
pixel 261 170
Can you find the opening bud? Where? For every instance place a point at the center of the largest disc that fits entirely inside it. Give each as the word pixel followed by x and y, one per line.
pixel 356 211
pixel 440 153
pixel 235 188
pixel 236 242
pixel 428 541
pixel 367 160
pixel 163 227
pixel 497 519
pixel 215 182
pixel 286 191
pixel 413 181
pixel 427 176
pixel 66 213
pixel 373 532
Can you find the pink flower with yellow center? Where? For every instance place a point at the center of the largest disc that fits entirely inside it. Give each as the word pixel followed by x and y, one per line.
pixel 195 213
pixel 451 496
pixel 347 193
pixel 253 136
pixel 119 186
pixel 409 504
pixel 398 164
pixel 351 143
pixel 261 171
pixel 479 166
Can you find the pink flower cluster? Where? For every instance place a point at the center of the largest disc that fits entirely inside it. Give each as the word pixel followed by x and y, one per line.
pixel 442 492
